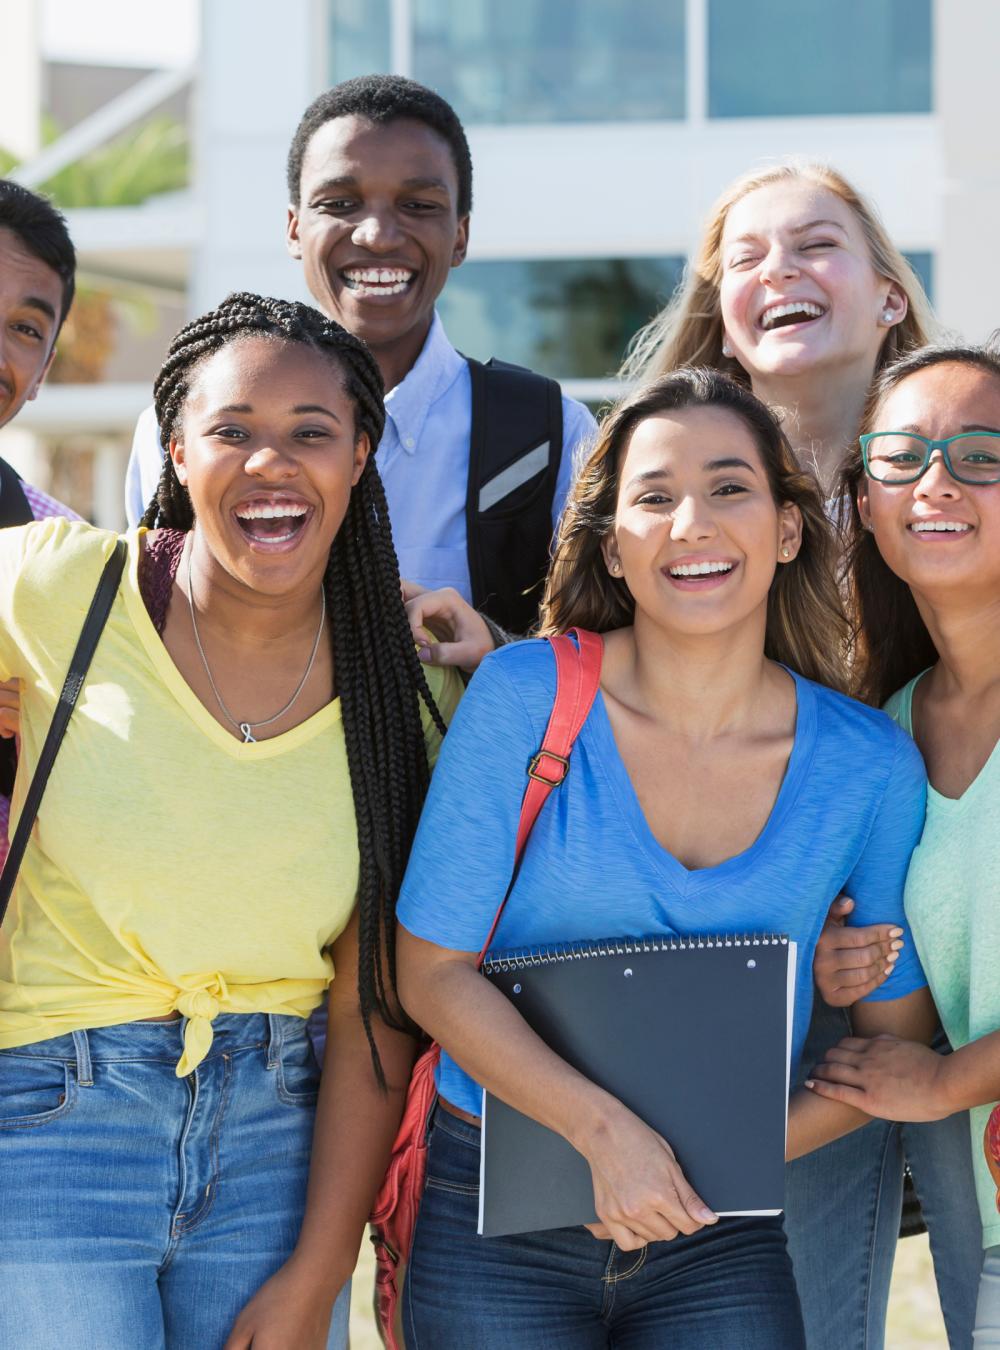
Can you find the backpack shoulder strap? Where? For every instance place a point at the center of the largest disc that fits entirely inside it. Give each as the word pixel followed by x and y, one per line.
pixel 93 627
pixel 15 509
pixel 515 449
pixel 578 676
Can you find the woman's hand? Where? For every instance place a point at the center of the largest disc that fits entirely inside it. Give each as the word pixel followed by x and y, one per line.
pixel 447 630
pixel 291 1311
pixel 852 962
pixel 640 1193
pixel 10 708
pixel 886 1077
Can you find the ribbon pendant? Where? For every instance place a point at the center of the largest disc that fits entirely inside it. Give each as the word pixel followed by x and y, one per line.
pixel 248 737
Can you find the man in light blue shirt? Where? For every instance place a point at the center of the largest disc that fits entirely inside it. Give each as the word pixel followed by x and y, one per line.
pixel 380 185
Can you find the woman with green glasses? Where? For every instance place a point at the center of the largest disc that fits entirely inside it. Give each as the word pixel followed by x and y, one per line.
pixel 923 493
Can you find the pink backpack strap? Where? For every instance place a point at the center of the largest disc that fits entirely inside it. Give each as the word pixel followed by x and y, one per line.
pixel 578 676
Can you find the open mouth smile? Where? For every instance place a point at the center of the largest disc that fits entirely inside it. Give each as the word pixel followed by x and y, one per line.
pixel 372 281
pixel 699 575
pixel 788 315
pixel 272 525
pixel 939 529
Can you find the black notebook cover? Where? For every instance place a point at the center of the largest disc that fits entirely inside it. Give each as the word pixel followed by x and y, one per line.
pixel 692 1034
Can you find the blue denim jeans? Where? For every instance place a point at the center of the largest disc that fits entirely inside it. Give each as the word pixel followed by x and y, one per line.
pixel 987 1332
pixel 842 1209
pixel 138 1210
pixel 729 1286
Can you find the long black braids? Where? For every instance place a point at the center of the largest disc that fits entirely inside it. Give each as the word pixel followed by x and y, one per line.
pixel 380 679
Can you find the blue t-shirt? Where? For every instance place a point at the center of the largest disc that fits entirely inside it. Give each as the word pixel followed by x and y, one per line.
pixel 847 816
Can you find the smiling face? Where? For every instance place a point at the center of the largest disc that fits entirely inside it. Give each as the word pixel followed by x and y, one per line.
pixel 697 533
pixel 377 227
pixel 31 297
pixel 268 453
pixel 938 535
pixel 798 291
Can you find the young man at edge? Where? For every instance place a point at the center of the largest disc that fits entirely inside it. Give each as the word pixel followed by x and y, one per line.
pixel 37 281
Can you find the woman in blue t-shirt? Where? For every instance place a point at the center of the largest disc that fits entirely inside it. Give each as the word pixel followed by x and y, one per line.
pixel 714 787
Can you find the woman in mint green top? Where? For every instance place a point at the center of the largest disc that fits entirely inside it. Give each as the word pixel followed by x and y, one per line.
pixel 924 572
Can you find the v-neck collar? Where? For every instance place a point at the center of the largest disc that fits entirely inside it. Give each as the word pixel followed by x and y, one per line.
pixel 687 879
pixel 941 802
pixel 185 696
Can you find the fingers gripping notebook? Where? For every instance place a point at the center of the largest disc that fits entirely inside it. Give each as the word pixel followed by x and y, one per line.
pixel 692 1034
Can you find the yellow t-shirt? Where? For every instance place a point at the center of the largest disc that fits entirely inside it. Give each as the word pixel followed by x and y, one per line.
pixel 171 866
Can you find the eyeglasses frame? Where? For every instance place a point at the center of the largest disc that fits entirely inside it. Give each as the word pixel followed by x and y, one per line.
pixel 931 446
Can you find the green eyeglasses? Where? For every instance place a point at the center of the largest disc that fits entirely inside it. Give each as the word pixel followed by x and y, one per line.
pixel 971 457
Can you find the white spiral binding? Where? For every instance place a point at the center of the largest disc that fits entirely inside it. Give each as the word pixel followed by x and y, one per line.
pixel 525 957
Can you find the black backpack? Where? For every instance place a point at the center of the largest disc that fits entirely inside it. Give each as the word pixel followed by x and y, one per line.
pixel 514 454
pixel 14 510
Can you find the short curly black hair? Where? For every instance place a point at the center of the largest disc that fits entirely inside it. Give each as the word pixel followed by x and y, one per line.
pixel 381 99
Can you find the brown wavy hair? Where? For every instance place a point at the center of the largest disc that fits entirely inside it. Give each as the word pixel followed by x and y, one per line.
pixel 806 626
pixel 689 330
pixel 890 643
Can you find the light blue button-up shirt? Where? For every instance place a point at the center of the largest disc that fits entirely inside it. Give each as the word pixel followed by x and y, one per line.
pixel 423 458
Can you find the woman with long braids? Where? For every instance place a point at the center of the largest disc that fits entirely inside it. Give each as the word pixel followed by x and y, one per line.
pixel 697 547
pixel 798 291
pixel 224 832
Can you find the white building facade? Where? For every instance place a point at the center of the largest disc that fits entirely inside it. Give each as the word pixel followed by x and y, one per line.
pixel 601 132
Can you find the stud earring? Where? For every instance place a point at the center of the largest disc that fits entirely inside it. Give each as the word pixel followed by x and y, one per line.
pixel 887 316
pixel 786 552
pixel 615 568
pixel 726 349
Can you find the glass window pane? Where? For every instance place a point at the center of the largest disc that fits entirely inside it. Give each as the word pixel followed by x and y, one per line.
pixel 359 38
pixel 923 265
pixel 539 61
pixel 858 56
pixel 563 317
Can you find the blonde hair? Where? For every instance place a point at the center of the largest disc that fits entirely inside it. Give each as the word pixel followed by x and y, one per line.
pixel 806 626
pixel 688 331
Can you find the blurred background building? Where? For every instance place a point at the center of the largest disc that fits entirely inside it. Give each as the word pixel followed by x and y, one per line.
pixel 601 132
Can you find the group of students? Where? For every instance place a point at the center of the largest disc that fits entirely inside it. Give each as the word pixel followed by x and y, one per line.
pixel 242 820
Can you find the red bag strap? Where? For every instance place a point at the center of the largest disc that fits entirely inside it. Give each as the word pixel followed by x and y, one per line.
pixel 578 675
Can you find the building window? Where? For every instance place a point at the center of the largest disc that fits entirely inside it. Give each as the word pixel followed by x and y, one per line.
pixel 360 32
pixel 508 61
pixel 858 56
pixel 567 318
pixel 923 265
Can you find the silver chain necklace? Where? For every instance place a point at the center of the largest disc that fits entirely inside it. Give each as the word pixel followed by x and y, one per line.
pixel 247 729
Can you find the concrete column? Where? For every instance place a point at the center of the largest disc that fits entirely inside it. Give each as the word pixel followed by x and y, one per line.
pixel 259 71
pixel 21 83
pixel 967 50
pixel 110 459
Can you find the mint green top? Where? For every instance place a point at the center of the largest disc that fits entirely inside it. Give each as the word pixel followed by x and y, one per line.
pixel 952 902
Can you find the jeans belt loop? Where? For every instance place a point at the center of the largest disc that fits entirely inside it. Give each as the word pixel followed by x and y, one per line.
pixel 275 1038
pixel 84 1069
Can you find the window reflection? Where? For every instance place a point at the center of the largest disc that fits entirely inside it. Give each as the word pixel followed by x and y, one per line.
pixel 540 61
pixel 563 317
pixel 360 41
pixel 858 56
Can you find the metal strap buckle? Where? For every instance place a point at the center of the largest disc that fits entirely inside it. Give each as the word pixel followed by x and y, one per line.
pixel 533 771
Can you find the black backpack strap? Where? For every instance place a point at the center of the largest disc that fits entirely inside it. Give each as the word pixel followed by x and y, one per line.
pixel 14 506
pixel 515 449
pixel 93 626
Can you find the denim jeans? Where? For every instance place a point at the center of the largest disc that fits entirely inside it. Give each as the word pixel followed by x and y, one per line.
pixel 138 1210
pixel 842 1208
pixel 728 1286
pixel 987 1332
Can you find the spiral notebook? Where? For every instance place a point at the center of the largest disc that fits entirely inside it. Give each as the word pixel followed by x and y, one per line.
pixel 692 1034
